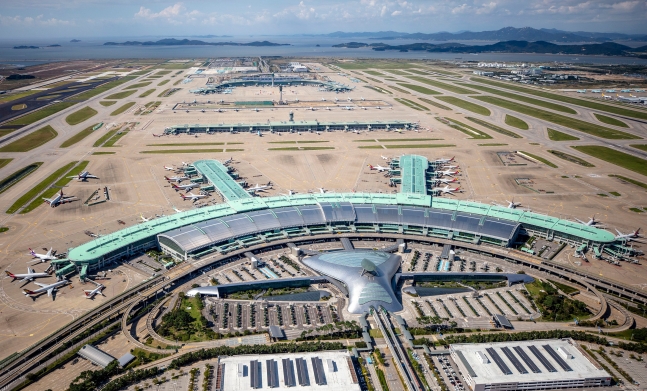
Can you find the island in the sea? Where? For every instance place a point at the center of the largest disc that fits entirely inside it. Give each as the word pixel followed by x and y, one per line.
pixel 600 49
pixel 54 46
pixel 75 40
pixel 194 42
pixel 26 47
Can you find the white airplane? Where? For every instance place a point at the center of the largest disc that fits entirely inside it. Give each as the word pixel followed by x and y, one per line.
pixel 177 210
pixel 592 221
pixel 322 190
pixel 230 160
pixel 290 192
pixel 384 157
pixel 311 108
pixel 45 288
pixel 43 257
pixel 167 168
pixel 328 108
pixel 347 108
pixel 192 197
pixel 323 99
pixel 157 135
pixel 442 160
pixel 29 276
pixel 607 96
pixel 447 173
pixel 628 237
pixel 185 164
pixel 184 187
pixel 58 199
pixel 450 167
pixel 96 291
pixel 445 190
pixel 581 91
pixel 176 178
pixel 84 176
pixel 145 219
pixel 512 204
pixel 378 168
pixel 378 107
pixel 260 187
pixel 445 181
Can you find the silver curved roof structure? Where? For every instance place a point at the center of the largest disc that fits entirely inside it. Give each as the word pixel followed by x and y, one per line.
pixel 196 236
pixel 365 290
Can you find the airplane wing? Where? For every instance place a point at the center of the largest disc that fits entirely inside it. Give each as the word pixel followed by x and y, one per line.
pixel 580 221
pixel 40 285
pixel 49 292
pixel 619 233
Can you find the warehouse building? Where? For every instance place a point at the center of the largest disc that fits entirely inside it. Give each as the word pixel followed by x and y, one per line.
pixel 527 365
pixel 321 371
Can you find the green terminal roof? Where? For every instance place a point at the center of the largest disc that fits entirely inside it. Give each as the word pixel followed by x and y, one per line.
pixel 414 169
pixel 105 244
pixel 218 175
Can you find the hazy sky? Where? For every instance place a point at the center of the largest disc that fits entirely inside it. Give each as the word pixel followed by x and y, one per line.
pixel 88 18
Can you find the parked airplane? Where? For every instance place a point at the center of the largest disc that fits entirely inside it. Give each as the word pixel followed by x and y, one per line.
pixel 596 91
pixel 260 187
pixel 58 199
pixel 592 221
pixel 290 192
pixel 628 237
pixel 84 176
pixel 512 204
pixel 176 178
pixel 184 187
pixel 45 288
pixel 607 96
pixel 145 219
pixel 378 168
pixel 157 135
pixel 322 190
pixel 445 190
pixel 185 164
pixel 96 291
pixel 347 108
pixel 445 181
pixel 581 91
pixel 442 160
pixel 384 157
pixel 167 168
pixel 29 276
pixel 450 167
pixel 446 173
pixel 43 257
pixel 192 197
pixel 177 210
pixel 230 160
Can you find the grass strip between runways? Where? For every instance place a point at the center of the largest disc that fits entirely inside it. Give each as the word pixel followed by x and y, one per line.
pixel 468 130
pixel 444 86
pixel 576 124
pixel 123 108
pixel 299 148
pixel 463 104
pixel 121 95
pixel 18 176
pixel 420 89
pixel 642 147
pixel 165 151
pixel 494 127
pixel 4 162
pixel 40 187
pixel 412 104
pixel 625 160
pixel 566 99
pixel 78 137
pixel 610 120
pixel 146 93
pixel 532 101
pixel 101 89
pixel 410 146
pixel 50 192
pixel 539 158
pixel 435 104
pixel 629 180
pixel 556 135
pixel 515 122
pixel 571 158
pixel 104 138
pixel 32 140
pixel 80 115
pixel 40 114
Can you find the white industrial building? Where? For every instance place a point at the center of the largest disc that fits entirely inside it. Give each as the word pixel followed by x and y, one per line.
pixel 527 365
pixel 316 371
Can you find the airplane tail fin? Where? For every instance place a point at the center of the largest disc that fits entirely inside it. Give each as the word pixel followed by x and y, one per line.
pixel 10 275
pixel 637 231
pixel 31 252
pixel 28 292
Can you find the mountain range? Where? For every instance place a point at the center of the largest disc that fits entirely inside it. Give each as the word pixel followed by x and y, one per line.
pixel 504 34
pixel 191 42
pixel 605 49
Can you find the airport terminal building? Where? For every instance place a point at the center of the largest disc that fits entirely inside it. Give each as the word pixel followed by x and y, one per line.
pixel 244 221
pixel 527 365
